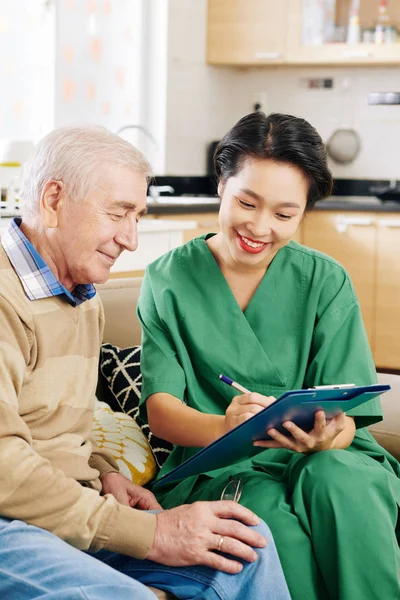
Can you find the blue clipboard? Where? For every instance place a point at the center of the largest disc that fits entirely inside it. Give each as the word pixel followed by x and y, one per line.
pixel 298 406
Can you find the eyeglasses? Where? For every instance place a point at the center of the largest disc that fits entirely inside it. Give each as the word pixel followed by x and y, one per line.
pixel 232 490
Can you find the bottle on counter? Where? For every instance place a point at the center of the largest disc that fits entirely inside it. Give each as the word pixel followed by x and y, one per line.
pixel 385 30
pixel 353 31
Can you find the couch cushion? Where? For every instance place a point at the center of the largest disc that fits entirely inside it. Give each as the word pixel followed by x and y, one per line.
pixel 387 432
pixel 121 370
pixel 122 437
pixel 119 298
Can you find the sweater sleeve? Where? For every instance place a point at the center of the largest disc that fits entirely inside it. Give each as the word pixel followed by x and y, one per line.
pixel 102 460
pixel 32 490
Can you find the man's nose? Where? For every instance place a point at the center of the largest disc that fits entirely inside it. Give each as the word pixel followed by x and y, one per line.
pixel 128 237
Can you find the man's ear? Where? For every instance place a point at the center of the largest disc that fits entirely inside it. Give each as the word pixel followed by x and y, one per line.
pixel 51 203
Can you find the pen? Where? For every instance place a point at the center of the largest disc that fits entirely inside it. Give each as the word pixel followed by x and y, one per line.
pixel 233 384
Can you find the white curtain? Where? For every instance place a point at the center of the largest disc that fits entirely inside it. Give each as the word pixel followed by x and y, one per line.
pixel 99 62
pixel 26 68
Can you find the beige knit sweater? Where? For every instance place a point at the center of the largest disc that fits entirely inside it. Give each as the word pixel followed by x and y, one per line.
pixel 48 372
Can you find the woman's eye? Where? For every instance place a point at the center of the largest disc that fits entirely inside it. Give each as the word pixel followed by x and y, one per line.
pixel 245 204
pixel 284 217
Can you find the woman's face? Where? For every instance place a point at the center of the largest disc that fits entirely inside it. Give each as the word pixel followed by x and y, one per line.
pixel 261 210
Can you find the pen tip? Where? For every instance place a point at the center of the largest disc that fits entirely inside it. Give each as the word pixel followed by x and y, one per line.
pixel 220 376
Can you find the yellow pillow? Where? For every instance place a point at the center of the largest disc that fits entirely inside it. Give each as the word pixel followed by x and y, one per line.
pixel 123 438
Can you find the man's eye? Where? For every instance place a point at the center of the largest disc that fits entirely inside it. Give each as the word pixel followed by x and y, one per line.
pixel 117 217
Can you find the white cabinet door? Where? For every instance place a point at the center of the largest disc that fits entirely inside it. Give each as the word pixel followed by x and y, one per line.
pixel 156 237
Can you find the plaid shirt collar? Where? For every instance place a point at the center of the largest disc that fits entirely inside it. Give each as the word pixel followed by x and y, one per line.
pixel 36 277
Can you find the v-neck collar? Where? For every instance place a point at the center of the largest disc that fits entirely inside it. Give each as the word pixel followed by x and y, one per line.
pixel 221 279
pixel 243 327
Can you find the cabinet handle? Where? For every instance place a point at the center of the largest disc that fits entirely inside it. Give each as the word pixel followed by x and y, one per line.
pixel 342 223
pixel 357 54
pixel 390 222
pixel 267 55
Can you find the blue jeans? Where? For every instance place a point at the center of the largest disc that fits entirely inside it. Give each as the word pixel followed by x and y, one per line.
pixel 37 564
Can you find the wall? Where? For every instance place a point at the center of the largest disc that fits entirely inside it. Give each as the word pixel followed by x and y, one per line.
pixel 98 62
pixel 26 69
pixel 70 61
pixel 203 101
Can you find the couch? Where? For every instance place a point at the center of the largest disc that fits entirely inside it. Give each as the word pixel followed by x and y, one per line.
pixel 122 328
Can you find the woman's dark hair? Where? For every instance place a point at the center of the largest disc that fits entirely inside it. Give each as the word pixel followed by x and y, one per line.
pixel 282 138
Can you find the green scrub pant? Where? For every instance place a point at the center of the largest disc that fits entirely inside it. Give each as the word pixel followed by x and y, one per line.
pixel 333 516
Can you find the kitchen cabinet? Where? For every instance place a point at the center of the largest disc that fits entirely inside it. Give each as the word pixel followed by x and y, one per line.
pixel 350 239
pixel 367 244
pixel 387 337
pixel 206 223
pixel 156 237
pixel 244 32
pixel 286 32
pixel 339 53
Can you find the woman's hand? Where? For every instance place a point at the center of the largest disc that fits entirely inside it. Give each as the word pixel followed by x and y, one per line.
pixel 243 407
pixel 338 433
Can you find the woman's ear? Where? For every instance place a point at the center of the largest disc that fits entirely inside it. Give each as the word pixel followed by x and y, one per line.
pixel 51 202
pixel 221 187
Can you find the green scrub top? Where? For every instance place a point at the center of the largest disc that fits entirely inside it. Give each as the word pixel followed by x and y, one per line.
pixel 303 327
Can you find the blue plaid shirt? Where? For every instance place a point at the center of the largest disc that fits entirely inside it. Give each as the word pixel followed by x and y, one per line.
pixel 36 277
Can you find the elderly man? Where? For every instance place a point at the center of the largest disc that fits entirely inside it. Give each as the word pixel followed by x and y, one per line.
pixel 63 533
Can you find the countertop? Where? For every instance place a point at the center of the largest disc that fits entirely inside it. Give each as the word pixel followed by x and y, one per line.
pixel 357 203
pixel 144 226
pixel 190 205
pixel 178 205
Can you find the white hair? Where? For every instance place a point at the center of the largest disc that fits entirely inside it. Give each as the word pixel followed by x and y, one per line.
pixel 76 156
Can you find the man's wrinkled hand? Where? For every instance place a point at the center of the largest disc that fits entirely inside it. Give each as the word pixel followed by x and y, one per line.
pixel 128 493
pixel 196 534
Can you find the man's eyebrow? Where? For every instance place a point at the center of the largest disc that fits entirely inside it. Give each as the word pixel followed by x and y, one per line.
pixel 260 198
pixel 124 204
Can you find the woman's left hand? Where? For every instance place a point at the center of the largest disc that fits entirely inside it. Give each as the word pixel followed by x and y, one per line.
pixel 322 437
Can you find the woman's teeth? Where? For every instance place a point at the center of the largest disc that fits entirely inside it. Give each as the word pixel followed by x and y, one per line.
pixel 253 244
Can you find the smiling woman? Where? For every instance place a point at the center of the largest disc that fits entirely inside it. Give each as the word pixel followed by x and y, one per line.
pixel 253 304
pixel 255 215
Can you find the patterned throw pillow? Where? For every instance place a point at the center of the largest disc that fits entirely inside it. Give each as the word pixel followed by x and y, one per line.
pixel 121 369
pixel 125 441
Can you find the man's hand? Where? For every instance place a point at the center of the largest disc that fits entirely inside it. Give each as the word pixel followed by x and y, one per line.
pixel 191 535
pixel 128 493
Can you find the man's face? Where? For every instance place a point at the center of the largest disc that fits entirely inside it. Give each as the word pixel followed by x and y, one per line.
pixel 92 233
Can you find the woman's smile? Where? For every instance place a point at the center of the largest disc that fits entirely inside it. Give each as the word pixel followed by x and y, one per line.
pixel 250 245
